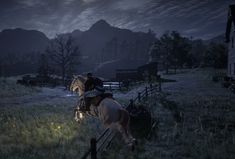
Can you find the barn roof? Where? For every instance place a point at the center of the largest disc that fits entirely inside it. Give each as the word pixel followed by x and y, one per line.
pixel 231 19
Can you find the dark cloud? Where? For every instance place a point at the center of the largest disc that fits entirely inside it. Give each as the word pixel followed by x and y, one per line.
pixel 196 18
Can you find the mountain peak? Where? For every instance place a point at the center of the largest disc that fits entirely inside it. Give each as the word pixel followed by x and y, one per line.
pixel 100 24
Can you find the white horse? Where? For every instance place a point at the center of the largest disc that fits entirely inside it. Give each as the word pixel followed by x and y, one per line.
pixel 108 110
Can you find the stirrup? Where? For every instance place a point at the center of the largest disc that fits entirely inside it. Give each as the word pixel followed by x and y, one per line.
pixel 84 109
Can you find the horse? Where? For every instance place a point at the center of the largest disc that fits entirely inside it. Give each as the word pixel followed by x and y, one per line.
pixel 107 109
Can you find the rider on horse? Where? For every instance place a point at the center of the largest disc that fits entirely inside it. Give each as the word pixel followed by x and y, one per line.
pixel 93 88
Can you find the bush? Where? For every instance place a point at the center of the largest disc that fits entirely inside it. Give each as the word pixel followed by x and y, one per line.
pixel 226 84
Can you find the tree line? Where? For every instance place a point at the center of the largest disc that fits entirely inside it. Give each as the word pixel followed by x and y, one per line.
pixel 132 48
pixel 174 51
pixel 62 55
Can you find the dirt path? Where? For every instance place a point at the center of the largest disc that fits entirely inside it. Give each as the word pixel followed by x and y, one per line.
pixel 193 86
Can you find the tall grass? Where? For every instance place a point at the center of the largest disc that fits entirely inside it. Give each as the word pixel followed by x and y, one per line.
pixel 9 88
pixel 184 132
pixel 44 130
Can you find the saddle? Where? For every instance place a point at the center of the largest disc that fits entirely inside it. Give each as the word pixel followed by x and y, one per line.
pixel 103 96
pixel 88 99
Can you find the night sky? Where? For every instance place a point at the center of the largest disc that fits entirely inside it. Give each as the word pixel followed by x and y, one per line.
pixel 197 18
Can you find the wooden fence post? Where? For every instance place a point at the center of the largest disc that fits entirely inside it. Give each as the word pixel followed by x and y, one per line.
pixel 110 86
pixel 160 83
pixel 146 92
pixel 131 103
pixel 139 97
pixel 93 148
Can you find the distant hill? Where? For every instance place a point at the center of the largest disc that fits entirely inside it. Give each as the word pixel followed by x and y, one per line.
pixel 22 41
pixel 20 49
pixel 102 43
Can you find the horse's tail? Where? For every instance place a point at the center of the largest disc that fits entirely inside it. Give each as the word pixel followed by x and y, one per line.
pixel 124 117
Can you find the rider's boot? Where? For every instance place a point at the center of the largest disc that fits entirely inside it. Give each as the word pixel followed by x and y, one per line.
pixel 87 104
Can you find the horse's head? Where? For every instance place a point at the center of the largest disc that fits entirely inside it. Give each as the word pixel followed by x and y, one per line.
pixel 78 84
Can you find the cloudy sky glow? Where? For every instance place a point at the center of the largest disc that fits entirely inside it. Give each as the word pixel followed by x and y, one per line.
pixel 197 18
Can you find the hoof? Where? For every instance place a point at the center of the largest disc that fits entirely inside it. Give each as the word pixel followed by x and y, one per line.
pixel 134 141
pixel 133 148
pixel 76 119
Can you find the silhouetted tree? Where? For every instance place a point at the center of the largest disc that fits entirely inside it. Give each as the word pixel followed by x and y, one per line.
pixel 216 56
pixel 1 68
pixel 64 54
pixel 151 34
pixel 165 43
pixel 174 49
pixel 180 50
pixel 196 53
pixel 43 69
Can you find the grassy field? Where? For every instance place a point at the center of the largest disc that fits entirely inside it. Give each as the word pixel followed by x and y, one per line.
pixel 9 88
pixel 35 126
pixel 196 119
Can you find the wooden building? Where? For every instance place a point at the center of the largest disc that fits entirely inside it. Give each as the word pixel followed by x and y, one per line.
pixel 128 75
pixel 230 38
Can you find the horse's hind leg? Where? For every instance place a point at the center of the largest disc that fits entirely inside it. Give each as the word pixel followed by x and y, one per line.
pixel 124 133
pixel 124 127
pixel 129 140
pixel 133 140
pixel 127 128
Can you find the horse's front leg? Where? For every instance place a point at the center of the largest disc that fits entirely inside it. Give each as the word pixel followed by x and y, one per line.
pixel 78 115
pixel 128 139
pixel 127 128
pixel 75 115
pixel 126 132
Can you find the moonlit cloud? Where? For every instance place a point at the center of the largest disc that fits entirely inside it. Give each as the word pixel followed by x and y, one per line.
pixel 196 18
pixel 129 4
pixel 88 1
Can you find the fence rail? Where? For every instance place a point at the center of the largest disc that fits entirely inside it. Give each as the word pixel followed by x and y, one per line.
pixel 108 135
pixel 110 85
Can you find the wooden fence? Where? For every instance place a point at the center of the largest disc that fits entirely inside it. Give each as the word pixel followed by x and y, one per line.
pixel 106 137
pixel 110 85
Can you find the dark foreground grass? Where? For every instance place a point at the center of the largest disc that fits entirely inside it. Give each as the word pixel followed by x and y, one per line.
pixel 201 130
pixel 46 131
